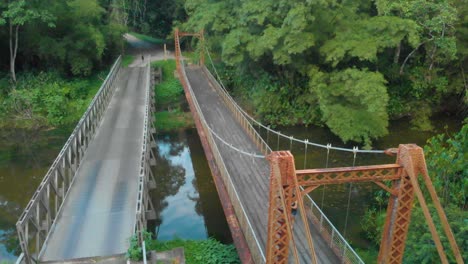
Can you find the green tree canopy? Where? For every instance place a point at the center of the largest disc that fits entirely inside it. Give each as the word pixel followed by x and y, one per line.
pixel 400 52
pixel 353 103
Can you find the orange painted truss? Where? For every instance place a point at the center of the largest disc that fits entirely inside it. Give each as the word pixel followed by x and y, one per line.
pixel 403 176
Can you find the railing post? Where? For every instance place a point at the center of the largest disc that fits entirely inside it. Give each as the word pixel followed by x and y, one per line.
pixel 23 240
pixel 144 252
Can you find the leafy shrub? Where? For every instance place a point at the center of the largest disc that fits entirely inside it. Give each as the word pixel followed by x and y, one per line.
pixel 169 93
pixel 135 252
pixel 420 245
pixel 208 251
pixel 81 65
pixel 46 99
pixel 446 162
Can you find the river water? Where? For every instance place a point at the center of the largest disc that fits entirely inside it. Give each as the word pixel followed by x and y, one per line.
pixel 186 199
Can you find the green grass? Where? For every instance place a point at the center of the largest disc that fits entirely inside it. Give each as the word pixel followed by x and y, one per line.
pixel 127 60
pixel 169 93
pixel 168 68
pixel 169 100
pixel 207 251
pixel 149 39
pixel 173 120
pixel 192 56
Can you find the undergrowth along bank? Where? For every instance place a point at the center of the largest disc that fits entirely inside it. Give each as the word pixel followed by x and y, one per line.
pixel 46 99
pixel 208 251
pixel 170 100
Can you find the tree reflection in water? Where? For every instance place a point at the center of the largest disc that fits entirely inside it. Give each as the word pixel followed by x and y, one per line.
pixel 207 202
pixel 169 177
pixel 186 200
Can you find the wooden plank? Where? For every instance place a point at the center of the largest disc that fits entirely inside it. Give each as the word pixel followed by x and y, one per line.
pixel 249 175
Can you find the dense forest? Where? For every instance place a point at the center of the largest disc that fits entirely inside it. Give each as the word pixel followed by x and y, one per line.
pixel 55 54
pixel 75 37
pixel 350 65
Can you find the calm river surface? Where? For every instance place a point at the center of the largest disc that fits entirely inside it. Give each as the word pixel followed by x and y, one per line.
pixel 186 199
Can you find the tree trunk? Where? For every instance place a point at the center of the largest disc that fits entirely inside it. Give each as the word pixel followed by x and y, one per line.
pixel 13 51
pixel 435 48
pixel 411 54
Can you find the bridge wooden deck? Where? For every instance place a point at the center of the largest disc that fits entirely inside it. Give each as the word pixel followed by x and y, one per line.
pixel 250 175
pixel 98 215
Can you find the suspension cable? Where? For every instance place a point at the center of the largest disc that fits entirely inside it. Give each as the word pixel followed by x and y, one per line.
pixel 349 195
pixel 224 90
pixel 253 155
pixel 240 151
pixel 326 166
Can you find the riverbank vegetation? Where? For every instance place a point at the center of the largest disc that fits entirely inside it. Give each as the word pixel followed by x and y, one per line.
pixel 351 66
pixel 446 161
pixel 46 99
pixel 208 251
pixel 51 57
pixel 172 113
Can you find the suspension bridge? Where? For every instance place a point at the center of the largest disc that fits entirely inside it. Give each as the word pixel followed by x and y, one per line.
pixel 95 195
pixel 259 187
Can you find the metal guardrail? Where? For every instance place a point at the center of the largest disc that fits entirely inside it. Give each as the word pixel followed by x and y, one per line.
pixel 328 231
pixel 20 259
pixel 247 229
pixel 146 181
pixel 335 240
pixel 39 216
pixel 243 121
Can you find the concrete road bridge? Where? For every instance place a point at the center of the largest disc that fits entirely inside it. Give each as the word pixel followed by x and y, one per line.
pixel 95 195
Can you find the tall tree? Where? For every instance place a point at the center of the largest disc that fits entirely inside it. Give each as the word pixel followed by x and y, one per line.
pixel 353 103
pixel 18 14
